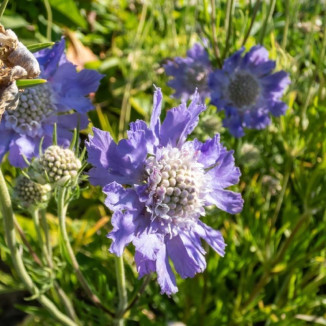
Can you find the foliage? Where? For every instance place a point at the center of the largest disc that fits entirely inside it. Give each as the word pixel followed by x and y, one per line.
pixel 274 270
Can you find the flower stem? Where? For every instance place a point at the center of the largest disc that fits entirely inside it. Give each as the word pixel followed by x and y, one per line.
pixel 214 34
pixel 49 22
pixel 253 17
pixel 62 210
pixel 266 21
pixel 121 282
pixel 228 27
pixel 45 227
pixel 10 235
pixel 3 7
pixel 45 253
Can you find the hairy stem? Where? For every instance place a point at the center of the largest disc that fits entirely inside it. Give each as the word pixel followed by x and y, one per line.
pixel 62 295
pixel 121 282
pixel 62 210
pixel 10 235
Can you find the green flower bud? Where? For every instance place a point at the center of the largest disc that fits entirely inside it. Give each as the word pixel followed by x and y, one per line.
pixel 59 165
pixel 30 194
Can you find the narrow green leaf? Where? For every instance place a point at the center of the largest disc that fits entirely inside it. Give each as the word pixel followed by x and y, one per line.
pixel 24 83
pixel 39 46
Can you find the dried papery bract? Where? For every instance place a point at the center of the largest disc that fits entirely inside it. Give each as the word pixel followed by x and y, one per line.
pixel 9 93
pixel 14 53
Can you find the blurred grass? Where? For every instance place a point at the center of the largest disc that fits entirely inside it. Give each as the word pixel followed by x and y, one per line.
pixel 283 178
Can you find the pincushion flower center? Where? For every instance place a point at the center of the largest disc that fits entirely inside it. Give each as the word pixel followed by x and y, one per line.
pixel 176 182
pixel 35 105
pixel 243 89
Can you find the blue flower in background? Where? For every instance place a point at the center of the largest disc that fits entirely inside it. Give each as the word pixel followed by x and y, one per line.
pixel 158 184
pixel 247 90
pixel 190 73
pixel 41 106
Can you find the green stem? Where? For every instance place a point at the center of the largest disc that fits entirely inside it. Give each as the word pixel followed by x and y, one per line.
pixel 228 26
pixel 49 22
pixel 10 235
pixel 3 7
pixel 45 228
pixel 214 33
pixel 287 23
pixel 62 295
pixel 254 14
pixel 121 282
pixel 62 210
pixel 266 21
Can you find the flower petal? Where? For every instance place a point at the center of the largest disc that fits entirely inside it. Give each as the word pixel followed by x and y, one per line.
pixel 187 260
pixel 225 200
pixel 23 145
pixel 180 122
pixel 213 237
pixel 124 228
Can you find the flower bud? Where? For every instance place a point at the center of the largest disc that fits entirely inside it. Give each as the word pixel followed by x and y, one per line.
pixel 29 193
pixel 60 166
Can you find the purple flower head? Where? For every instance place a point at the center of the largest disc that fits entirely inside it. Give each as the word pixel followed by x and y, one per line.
pixel 41 106
pixel 158 185
pixel 247 90
pixel 190 73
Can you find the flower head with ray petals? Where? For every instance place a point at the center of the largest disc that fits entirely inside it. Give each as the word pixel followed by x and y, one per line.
pixel 169 183
pixel 247 90
pixel 42 106
pixel 190 73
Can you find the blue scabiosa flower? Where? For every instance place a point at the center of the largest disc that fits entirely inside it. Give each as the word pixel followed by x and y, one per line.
pixel 247 90
pixel 158 185
pixel 41 106
pixel 190 73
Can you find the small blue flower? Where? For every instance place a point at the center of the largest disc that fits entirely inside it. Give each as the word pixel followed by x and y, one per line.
pixel 41 106
pixel 247 90
pixel 158 185
pixel 190 73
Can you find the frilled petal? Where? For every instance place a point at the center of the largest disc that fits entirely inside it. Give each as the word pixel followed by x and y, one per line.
pixel 144 265
pixel 155 123
pixel 180 122
pixel 278 109
pixel 213 237
pixel 234 123
pixel 49 59
pixel 165 276
pixel 225 200
pixel 23 145
pixel 255 56
pixel 119 198
pixel 124 228
pixel 208 152
pixel 123 162
pixel 224 174
pixel 7 136
pixel 151 248
pixel 276 83
pixel 198 52
pixel 187 259
pixel 71 87
pixel 233 61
